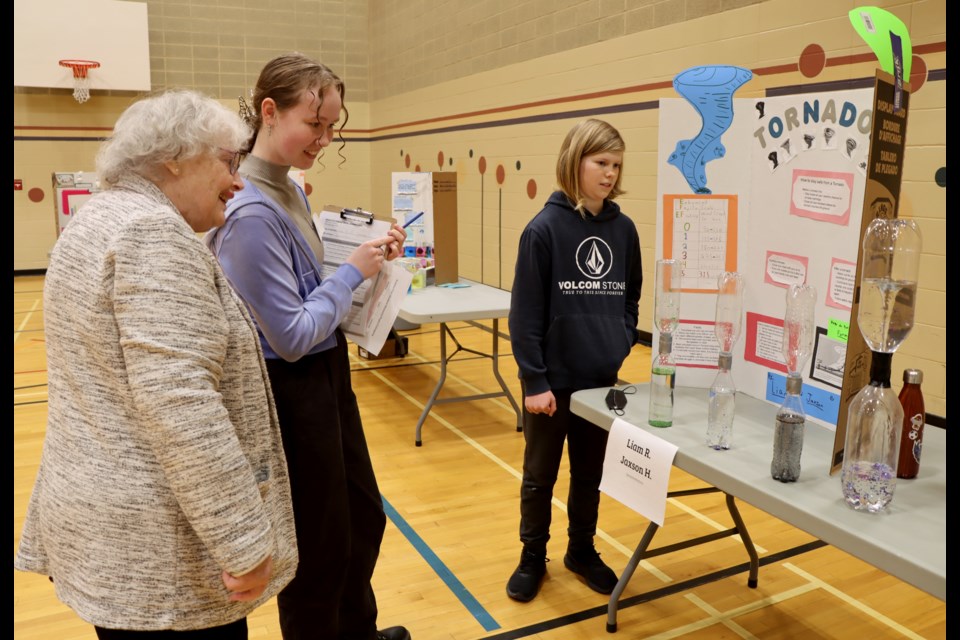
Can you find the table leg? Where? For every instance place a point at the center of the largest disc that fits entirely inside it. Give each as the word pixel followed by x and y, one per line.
pixel 627 574
pixel 436 389
pixel 643 549
pixel 747 542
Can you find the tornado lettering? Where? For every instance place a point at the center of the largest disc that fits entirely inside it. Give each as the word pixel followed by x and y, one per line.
pixel 710 90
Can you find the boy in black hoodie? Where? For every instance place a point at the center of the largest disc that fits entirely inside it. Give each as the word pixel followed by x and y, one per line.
pixel 573 321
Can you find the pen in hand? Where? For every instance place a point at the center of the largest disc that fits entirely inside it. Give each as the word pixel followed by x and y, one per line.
pixel 412 220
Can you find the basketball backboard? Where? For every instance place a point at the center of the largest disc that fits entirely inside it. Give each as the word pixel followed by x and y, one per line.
pixel 111 32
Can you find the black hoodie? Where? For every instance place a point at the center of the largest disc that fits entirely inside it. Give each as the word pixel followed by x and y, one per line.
pixel 573 309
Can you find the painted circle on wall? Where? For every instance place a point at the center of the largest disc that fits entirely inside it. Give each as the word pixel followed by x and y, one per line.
pixel 307 188
pixel 36 194
pixel 482 165
pixel 406 161
pixel 812 60
pixel 501 174
pixel 941 176
pixel 440 159
pixel 918 73
pixel 531 188
pixel 417 168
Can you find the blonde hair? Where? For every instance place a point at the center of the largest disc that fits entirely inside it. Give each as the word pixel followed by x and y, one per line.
pixel 586 138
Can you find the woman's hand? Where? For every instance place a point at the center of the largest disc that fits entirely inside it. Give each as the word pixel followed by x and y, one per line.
pixel 395 248
pixel 249 586
pixel 541 403
pixel 368 257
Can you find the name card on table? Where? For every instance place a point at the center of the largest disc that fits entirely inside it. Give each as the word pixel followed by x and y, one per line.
pixel 636 469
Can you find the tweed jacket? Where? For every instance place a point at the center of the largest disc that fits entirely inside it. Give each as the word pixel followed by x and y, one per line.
pixel 162 464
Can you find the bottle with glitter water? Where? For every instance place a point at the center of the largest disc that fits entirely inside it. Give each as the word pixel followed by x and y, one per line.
pixel 872 444
pixel 798 331
pixel 891 261
pixel 722 397
pixel 666 316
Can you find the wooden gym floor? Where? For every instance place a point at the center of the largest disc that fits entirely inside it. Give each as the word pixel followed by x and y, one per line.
pixel 452 534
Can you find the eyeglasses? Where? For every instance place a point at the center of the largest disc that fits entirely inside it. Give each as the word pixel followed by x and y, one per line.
pixel 236 157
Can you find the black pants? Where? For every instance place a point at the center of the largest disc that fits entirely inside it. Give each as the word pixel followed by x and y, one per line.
pixel 233 631
pixel 586 444
pixel 336 502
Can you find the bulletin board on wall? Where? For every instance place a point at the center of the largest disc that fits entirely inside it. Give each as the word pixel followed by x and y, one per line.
pixel 71 190
pixel 777 197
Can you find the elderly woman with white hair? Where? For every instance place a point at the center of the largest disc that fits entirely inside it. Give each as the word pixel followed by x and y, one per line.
pixel 162 503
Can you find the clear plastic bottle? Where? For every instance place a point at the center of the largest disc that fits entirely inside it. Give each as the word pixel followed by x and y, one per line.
pixel 914 417
pixel 872 444
pixel 888 288
pixel 666 316
pixel 788 434
pixel 891 263
pixel 722 397
pixel 662 380
pixel 798 328
pixel 722 406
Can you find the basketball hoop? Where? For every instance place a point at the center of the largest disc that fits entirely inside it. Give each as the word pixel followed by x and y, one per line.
pixel 81 83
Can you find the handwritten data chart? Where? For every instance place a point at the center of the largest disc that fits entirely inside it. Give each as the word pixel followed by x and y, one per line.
pixel 701 232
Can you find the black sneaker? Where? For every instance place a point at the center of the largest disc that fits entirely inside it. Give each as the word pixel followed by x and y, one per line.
pixel 524 584
pixel 588 565
pixel 393 633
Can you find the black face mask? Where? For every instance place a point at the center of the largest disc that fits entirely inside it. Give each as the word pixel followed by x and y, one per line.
pixel 616 401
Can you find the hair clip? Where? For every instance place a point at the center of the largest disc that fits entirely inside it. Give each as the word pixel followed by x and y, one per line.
pixel 246 114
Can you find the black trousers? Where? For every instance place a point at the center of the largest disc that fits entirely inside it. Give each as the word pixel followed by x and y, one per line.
pixel 336 502
pixel 586 445
pixel 233 631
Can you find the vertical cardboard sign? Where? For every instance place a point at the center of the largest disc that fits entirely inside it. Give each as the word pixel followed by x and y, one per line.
pixel 881 200
pixel 445 227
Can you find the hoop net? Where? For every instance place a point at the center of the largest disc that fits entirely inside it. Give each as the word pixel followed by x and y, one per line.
pixel 81 83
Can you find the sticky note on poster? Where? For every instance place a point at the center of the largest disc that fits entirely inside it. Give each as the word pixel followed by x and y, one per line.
pixel 838 330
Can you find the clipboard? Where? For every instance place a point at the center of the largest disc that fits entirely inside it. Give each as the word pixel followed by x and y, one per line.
pixel 376 302
pixel 367 216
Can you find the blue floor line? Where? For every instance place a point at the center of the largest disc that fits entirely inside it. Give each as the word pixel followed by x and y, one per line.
pixel 465 597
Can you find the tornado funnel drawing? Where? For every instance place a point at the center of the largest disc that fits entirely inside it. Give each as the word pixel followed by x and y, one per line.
pixel 710 90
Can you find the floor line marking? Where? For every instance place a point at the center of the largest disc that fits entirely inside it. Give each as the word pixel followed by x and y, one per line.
pixel 466 598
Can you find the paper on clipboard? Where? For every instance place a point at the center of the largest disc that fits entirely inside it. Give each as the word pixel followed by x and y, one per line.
pixel 376 302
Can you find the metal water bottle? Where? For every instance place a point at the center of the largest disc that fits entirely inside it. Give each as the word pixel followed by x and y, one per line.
pixel 914 416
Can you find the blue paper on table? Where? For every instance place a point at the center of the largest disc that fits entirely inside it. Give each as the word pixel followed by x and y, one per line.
pixel 819 404
pixel 454 285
